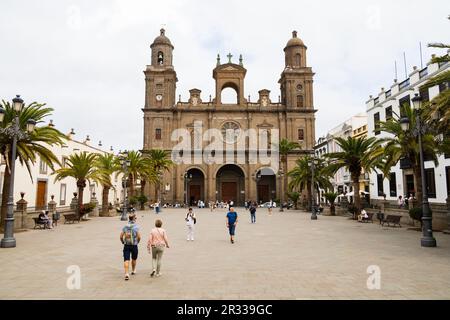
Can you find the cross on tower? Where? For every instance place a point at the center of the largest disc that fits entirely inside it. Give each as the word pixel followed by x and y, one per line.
pixel 229 57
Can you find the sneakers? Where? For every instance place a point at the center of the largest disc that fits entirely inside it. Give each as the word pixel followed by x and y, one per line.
pixel 133 272
pixel 127 277
pixel 158 275
pixel 153 273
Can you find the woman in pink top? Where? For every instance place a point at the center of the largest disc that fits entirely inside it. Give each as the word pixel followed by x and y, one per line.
pixel 156 243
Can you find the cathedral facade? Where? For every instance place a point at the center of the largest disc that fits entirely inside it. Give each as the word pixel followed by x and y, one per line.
pixel 291 116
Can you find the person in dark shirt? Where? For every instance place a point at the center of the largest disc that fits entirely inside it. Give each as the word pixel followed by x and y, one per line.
pixel 253 213
pixel 232 219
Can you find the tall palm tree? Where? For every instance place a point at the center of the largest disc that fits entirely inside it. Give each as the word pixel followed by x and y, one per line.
pixel 139 169
pixel 30 147
pixel 107 164
pixel 81 167
pixel 402 145
pixel 301 176
pixel 285 147
pixel 160 162
pixel 357 155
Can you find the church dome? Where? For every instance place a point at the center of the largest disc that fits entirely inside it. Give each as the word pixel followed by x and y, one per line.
pixel 294 41
pixel 162 39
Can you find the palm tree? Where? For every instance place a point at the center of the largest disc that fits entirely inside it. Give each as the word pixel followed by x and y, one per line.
pixel 405 145
pixel 285 147
pixel 81 167
pixel 301 176
pixel 30 147
pixel 160 163
pixel 331 198
pixel 294 196
pixel 107 164
pixel 357 155
pixel 139 169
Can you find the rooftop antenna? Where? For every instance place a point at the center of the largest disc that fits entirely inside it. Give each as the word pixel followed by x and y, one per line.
pixel 396 71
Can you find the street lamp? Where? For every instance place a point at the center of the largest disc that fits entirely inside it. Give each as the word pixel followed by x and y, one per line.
pixel 427 239
pixel 281 175
pixel 313 200
pixel 187 177
pixel 125 163
pixel 15 132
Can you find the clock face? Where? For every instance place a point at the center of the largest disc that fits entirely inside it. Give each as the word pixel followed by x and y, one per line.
pixel 159 97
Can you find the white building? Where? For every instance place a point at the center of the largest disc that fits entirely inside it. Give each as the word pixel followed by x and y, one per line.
pixel 342 181
pixel 41 185
pixel 381 108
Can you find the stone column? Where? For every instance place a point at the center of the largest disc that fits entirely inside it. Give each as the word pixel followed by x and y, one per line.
pixel 94 201
pixel 22 208
pixel 447 231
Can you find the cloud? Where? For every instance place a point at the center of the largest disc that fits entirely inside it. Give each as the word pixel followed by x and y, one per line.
pixel 86 58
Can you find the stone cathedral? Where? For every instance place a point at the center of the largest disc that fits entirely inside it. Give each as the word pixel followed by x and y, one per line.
pixel 292 113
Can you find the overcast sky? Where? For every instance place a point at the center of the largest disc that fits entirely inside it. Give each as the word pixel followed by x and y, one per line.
pixel 86 58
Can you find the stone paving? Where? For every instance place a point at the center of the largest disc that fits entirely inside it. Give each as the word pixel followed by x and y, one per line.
pixel 283 256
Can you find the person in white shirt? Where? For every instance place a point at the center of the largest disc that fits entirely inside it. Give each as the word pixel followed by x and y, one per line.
pixel 190 222
pixel 363 215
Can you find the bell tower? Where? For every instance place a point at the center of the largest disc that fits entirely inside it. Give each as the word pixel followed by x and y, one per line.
pixel 160 91
pixel 160 76
pixel 296 81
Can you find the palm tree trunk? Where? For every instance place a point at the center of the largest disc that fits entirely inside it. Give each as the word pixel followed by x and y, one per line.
pixel 105 204
pixel 131 182
pixel 356 195
pixel 4 209
pixel 81 184
pixel 309 196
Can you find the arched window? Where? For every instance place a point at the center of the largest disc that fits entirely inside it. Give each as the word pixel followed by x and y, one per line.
pixel 297 59
pixel 160 58
pixel 299 101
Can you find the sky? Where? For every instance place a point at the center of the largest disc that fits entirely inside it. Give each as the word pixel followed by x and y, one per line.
pixel 86 58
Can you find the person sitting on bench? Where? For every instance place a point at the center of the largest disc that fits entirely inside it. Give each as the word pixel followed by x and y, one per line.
pixel 43 216
pixel 363 215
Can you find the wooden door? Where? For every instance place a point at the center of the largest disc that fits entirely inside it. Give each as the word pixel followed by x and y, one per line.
pixel 263 193
pixel 229 191
pixel 41 194
pixel 194 193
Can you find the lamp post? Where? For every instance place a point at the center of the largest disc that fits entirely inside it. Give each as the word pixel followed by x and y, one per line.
pixel 281 175
pixel 15 132
pixel 427 231
pixel 257 178
pixel 187 177
pixel 125 163
pixel 313 200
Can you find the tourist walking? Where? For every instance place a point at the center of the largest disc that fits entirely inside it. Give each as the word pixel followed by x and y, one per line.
pixel 269 208
pixel 253 213
pixel 191 220
pixel 232 220
pixel 156 243
pixel 130 238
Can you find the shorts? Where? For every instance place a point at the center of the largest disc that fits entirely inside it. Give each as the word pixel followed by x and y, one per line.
pixel 130 250
pixel 232 229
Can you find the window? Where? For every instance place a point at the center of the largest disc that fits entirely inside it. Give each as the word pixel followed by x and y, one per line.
pixel 388 113
pixel 380 185
pixel 404 102
pixel 404 84
pixel 388 93
pixel 424 94
pixel 62 194
pixel 158 134
pixel 447 175
pixel 376 121
pixel 301 134
pixel 423 73
pixel 299 101
pixel 63 162
pixel 376 101
pixel 431 182
pixel 43 167
pixel 392 185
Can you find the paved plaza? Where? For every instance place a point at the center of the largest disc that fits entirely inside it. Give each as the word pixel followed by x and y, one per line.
pixel 283 256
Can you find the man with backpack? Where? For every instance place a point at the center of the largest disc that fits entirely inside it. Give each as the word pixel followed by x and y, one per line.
pixel 130 238
pixel 191 220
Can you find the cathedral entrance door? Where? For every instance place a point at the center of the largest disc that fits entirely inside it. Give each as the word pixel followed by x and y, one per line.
pixel 229 191
pixel 195 194
pixel 263 193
